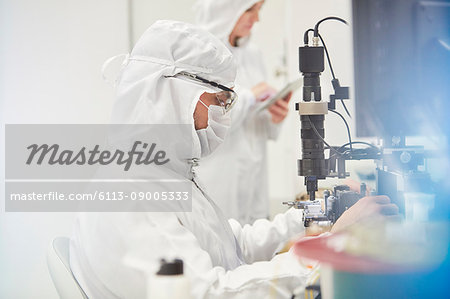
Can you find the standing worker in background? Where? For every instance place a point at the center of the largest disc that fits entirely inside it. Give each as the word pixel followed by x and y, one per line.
pixel 241 159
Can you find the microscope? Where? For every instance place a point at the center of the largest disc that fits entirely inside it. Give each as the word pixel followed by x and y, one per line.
pixel 314 165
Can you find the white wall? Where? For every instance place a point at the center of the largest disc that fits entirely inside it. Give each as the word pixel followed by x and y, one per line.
pixel 51 55
pixel 146 12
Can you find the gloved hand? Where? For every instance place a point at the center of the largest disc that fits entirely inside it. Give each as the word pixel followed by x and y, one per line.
pixel 367 207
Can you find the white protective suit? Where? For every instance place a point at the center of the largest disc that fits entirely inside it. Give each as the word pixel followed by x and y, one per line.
pixel 242 157
pixel 108 251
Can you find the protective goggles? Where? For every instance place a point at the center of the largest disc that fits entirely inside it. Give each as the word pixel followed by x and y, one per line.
pixel 225 98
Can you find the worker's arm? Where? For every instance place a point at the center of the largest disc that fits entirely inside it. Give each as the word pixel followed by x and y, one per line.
pixel 262 240
pixel 276 278
pixel 264 122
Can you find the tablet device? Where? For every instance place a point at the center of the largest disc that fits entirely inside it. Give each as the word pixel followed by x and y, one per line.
pixel 291 87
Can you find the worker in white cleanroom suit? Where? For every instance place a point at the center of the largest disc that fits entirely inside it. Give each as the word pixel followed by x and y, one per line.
pixel 242 157
pixel 108 251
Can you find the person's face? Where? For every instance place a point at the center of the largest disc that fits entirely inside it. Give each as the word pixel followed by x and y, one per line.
pixel 245 23
pixel 201 112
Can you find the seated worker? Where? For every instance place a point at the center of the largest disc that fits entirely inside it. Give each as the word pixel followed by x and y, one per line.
pixel 221 258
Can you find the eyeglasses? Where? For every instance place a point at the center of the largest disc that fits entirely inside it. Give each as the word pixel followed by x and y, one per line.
pixel 226 97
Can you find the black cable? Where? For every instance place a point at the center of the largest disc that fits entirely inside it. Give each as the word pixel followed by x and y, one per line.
pixel 316 28
pixel 306 41
pixel 332 71
pixel 344 145
pixel 345 108
pixel 348 129
pixel 354 142
pixel 316 34
pixel 358 142
pixel 306 37
pixel 328 56
pixel 321 138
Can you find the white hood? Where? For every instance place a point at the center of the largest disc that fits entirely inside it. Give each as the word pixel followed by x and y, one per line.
pixel 220 16
pixel 145 96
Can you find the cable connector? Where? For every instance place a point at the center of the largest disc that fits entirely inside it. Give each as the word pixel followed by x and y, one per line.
pixel 315 41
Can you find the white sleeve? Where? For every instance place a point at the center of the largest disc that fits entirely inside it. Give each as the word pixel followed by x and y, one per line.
pixel 276 278
pixel 273 130
pixel 263 239
pixel 264 121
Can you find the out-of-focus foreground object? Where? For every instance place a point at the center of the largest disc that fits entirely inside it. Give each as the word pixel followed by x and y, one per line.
pixel 382 260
